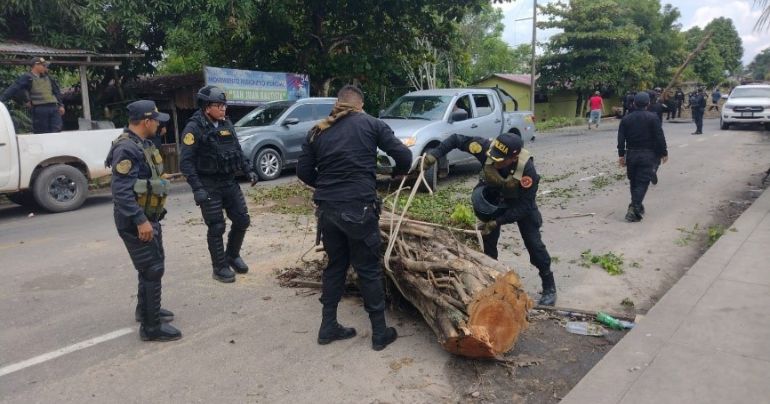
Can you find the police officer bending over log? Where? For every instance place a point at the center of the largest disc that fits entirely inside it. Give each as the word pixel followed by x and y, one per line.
pixel 339 160
pixel 211 157
pixel 505 194
pixel 139 194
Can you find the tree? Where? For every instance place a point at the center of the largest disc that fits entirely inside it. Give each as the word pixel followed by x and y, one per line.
pixel 727 42
pixel 759 68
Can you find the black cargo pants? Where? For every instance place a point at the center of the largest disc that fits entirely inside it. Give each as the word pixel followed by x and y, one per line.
pixel 529 228
pixel 224 195
pixel 148 259
pixel 640 166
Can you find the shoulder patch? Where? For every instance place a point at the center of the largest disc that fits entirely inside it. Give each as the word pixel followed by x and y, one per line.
pixel 224 132
pixel 526 181
pixel 189 139
pixel 474 148
pixel 123 167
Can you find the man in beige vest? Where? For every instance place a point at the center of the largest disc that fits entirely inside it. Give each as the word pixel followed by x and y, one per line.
pixel 41 93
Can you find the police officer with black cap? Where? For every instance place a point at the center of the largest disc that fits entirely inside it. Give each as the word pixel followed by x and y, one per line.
pixel 211 158
pixel 339 159
pixel 641 144
pixel 139 194
pixel 505 194
pixel 44 96
pixel 698 107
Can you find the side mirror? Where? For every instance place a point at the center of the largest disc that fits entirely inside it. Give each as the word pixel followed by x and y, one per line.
pixel 290 121
pixel 459 115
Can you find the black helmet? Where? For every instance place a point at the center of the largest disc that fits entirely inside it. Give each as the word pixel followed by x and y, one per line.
pixel 482 207
pixel 211 94
pixel 641 99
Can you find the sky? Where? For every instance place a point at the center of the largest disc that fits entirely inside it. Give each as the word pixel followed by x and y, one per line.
pixel 694 12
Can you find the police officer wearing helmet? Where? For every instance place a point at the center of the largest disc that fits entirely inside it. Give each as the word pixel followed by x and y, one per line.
pixel 505 194
pixel 339 159
pixel 641 145
pixel 211 157
pixel 139 194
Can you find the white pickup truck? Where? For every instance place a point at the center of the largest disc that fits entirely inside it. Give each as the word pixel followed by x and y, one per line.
pixel 422 119
pixel 51 170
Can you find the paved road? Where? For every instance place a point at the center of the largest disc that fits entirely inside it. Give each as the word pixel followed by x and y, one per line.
pixel 67 285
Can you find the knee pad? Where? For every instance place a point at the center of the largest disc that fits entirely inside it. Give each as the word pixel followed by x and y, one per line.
pixel 216 229
pixel 241 222
pixel 154 272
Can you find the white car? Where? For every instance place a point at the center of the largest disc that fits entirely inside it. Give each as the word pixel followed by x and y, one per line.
pixel 747 104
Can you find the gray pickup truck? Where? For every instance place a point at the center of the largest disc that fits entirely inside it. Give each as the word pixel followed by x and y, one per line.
pixel 422 119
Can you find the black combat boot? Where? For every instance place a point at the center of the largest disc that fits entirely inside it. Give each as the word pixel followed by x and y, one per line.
pixel 166 316
pixel 382 335
pixel 633 214
pixel 331 330
pixel 222 271
pixel 548 296
pixel 234 260
pixel 152 329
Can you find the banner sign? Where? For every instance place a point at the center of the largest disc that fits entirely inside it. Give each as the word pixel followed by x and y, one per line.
pixel 247 87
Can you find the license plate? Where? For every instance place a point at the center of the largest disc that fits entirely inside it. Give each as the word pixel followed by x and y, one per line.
pixel 747 114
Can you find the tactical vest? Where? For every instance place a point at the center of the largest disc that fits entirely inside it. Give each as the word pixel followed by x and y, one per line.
pixel 492 176
pixel 41 92
pixel 150 192
pixel 218 152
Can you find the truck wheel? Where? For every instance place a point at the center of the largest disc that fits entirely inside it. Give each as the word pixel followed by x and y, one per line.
pixel 268 164
pixel 23 198
pixel 59 188
pixel 431 175
pixel 723 125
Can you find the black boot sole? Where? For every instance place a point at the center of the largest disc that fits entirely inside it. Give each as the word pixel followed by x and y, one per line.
pixel 239 270
pixel 326 341
pixel 162 319
pixel 223 279
pixel 160 339
pixel 383 344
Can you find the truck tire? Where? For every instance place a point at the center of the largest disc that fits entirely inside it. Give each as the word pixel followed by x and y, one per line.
pixel 23 198
pixel 268 164
pixel 59 188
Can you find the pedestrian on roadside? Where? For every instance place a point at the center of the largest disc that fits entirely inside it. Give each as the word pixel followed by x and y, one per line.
pixel 596 106
pixel 698 107
pixel 211 158
pixel 339 159
pixel 139 194
pixel 41 93
pixel 679 100
pixel 641 143
pixel 509 182
pixel 715 97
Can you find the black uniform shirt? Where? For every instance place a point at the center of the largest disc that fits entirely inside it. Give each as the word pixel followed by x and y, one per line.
pixel 128 164
pixel 341 161
pixel 698 102
pixel 477 146
pixel 641 130
pixel 197 127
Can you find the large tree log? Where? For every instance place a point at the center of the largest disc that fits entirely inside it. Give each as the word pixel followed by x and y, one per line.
pixel 475 305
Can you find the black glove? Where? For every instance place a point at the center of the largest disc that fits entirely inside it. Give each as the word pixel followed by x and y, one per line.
pixel 253 177
pixel 429 161
pixel 200 196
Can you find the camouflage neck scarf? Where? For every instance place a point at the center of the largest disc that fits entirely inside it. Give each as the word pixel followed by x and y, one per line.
pixel 339 111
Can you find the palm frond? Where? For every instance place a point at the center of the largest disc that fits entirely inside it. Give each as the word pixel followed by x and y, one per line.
pixel 763 22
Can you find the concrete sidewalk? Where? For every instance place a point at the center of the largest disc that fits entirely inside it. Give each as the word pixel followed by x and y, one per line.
pixel 708 339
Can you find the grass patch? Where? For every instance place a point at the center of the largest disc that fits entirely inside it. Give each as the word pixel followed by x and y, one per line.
pixel 555 178
pixel 627 302
pixel 611 262
pixel 450 206
pixel 714 233
pixel 558 122
pixel 600 182
pixel 687 236
pixel 293 198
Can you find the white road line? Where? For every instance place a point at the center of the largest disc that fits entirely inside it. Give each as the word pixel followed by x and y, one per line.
pixel 683 145
pixel 63 351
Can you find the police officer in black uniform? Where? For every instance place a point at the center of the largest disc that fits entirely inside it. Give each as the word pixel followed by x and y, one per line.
pixel 211 158
pixel 641 144
pixel 679 101
pixel 508 184
pixel 698 106
pixel 139 193
pixel 339 160
pixel 628 103
pixel 44 96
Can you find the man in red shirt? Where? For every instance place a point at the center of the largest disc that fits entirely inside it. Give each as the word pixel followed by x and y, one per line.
pixel 596 105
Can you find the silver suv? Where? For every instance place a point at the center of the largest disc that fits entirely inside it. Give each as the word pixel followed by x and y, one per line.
pixel 747 104
pixel 271 135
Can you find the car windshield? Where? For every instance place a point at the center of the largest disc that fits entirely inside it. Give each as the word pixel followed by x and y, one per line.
pixel 746 92
pixel 428 107
pixel 263 116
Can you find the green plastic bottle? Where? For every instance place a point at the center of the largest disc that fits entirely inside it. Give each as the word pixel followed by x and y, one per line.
pixel 609 321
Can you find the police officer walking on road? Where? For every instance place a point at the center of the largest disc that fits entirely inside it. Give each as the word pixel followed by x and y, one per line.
pixel 44 96
pixel 505 194
pixel 698 106
pixel 139 193
pixel 339 160
pixel 211 158
pixel 641 144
